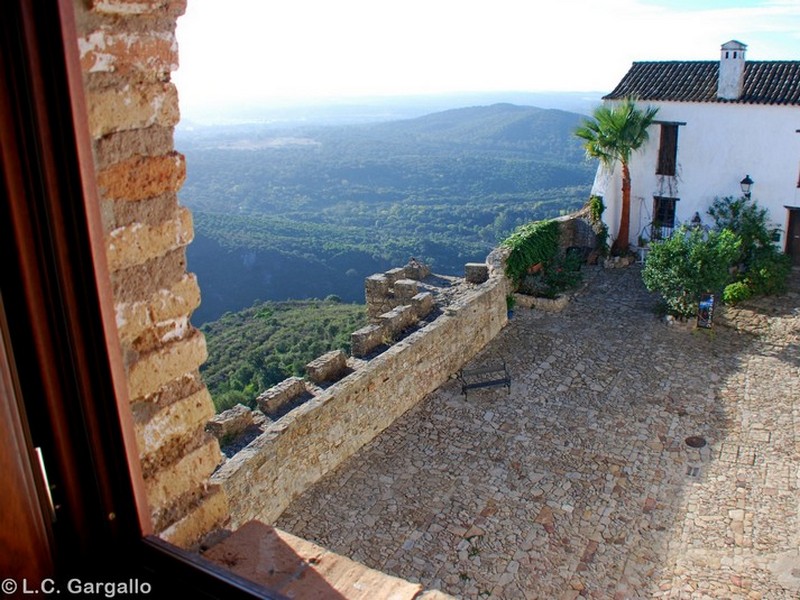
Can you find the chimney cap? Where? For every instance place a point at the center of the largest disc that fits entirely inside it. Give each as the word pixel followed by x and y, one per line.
pixel 734 45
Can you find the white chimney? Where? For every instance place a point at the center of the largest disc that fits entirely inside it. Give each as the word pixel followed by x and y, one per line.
pixel 731 70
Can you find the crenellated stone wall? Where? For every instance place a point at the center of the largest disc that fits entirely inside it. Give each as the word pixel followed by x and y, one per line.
pixel 396 287
pixel 298 449
pixel 127 52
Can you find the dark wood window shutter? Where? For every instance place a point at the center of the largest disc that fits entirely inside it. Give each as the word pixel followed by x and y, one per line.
pixel 668 150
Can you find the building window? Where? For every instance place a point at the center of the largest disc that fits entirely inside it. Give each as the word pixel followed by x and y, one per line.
pixel 663 217
pixel 668 150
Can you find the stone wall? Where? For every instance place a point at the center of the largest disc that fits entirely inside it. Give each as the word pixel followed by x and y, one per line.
pixel 396 287
pixel 296 451
pixel 576 231
pixel 128 51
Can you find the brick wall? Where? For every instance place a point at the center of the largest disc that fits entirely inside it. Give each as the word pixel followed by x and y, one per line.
pixel 128 51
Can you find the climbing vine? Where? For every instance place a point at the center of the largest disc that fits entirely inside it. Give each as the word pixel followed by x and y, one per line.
pixel 530 244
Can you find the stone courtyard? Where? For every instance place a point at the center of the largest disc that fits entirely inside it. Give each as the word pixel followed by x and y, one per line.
pixel 579 482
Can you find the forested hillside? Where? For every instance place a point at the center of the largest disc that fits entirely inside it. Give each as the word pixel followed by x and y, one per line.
pixel 254 349
pixel 308 212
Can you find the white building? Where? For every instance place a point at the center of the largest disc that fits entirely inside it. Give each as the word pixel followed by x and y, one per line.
pixel 718 123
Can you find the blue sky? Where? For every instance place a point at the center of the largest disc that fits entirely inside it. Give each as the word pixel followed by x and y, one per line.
pixel 285 51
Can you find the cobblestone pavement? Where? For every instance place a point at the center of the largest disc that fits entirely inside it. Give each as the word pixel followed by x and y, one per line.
pixel 579 482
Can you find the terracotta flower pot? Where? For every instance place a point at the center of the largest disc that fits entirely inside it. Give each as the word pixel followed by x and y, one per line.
pixel 533 269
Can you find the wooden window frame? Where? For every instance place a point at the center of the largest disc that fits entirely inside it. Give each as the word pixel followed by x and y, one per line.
pixel 65 379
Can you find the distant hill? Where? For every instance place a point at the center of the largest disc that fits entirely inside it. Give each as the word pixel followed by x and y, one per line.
pixel 310 211
pixel 349 111
pixel 499 125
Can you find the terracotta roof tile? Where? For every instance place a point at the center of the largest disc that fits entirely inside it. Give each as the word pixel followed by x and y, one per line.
pixel 765 82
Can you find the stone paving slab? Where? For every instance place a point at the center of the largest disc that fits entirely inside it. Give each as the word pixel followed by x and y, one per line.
pixel 579 483
pixel 295 568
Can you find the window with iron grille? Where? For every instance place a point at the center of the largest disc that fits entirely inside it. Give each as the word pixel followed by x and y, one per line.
pixel 663 217
pixel 668 150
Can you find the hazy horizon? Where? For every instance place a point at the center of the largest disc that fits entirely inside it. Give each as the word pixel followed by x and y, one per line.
pixel 309 52
pixel 365 109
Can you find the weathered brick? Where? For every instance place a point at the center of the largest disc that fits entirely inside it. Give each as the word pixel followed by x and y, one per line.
pixel 149 55
pixel 152 211
pixel 179 300
pixel 140 282
pixel 139 7
pixel 136 244
pixel 180 477
pixel 173 425
pixel 161 333
pixel 142 177
pixel 151 371
pixel 122 145
pixel 208 514
pixel 120 109
pixel 128 51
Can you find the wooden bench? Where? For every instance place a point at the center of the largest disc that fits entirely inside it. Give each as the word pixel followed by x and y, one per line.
pixel 489 376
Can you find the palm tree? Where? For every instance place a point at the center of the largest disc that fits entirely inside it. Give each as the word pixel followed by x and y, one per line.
pixel 614 134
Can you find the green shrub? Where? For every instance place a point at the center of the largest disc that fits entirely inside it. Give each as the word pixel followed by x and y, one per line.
pixel 602 240
pixel 768 271
pixel 511 302
pixel 558 275
pixel 231 398
pixel 762 269
pixel 744 217
pixel 561 274
pixel 688 264
pixel 530 244
pixel 596 208
pixel 736 292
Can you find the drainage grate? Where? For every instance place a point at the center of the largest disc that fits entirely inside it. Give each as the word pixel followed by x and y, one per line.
pixel 695 441
pixel 693 471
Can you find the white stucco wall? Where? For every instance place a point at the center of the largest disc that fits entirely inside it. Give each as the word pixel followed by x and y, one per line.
pixel 718 146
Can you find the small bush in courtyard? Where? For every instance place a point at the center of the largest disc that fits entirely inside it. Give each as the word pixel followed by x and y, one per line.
pixel 760 268
pixel 736 292
pixel 746 219
pixel 766 274
pixel 689 264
